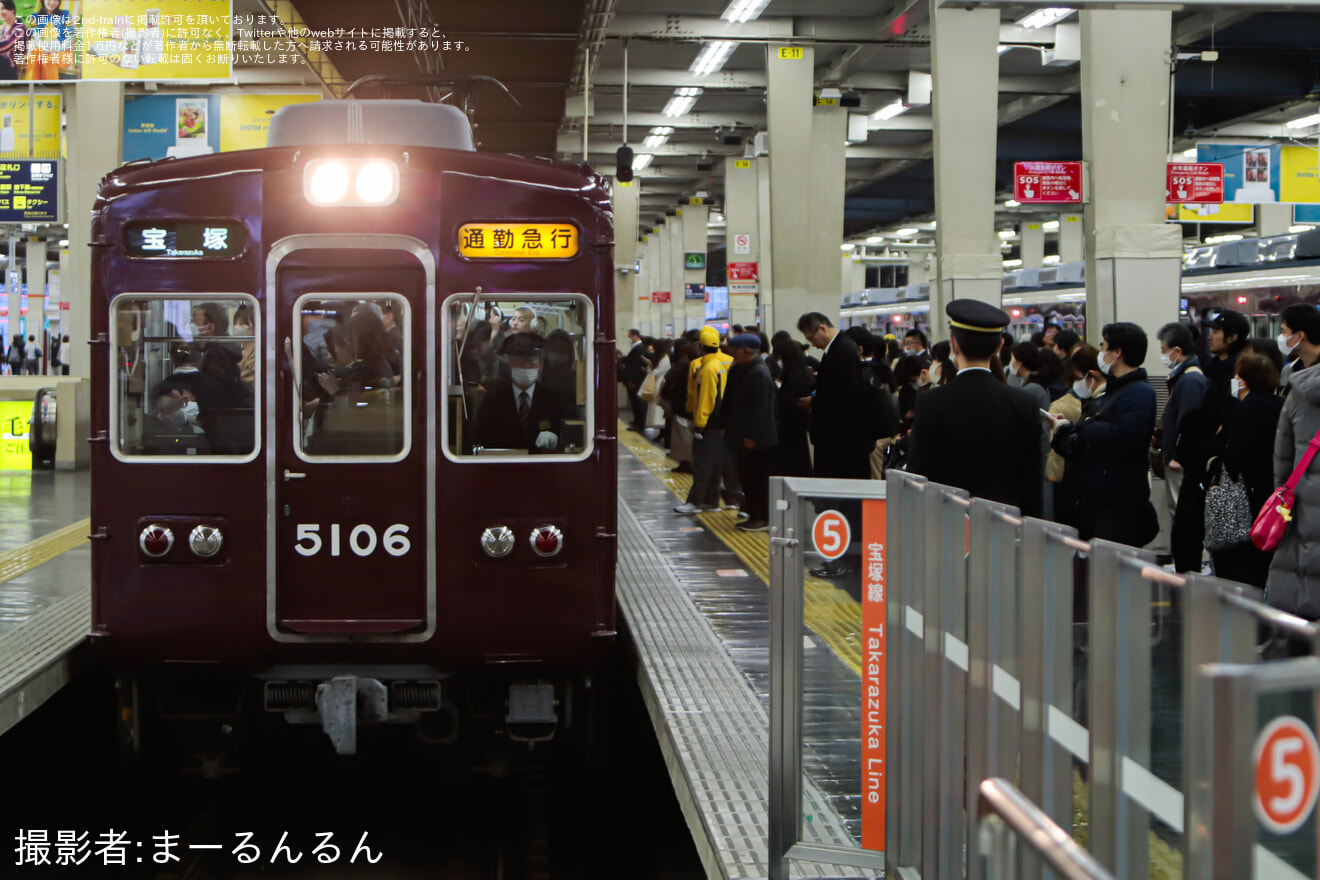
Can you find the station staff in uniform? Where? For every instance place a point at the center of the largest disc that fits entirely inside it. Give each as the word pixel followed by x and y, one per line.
pixel 977 433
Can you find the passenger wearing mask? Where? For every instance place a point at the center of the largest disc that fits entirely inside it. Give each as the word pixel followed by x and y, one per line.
pixel 519 412
pixel 977 433
pixel 942 368
pixel 1247 458
pixel 674 391
pixel 247 364
pixel 1187 387
pixel 1115 441
pixel 1079 369
pixel 1293 584
pixel 559 369
pixel 656 408
pixel 915 344
pixel 705 397
pixel 749 428
pixel 1299 341
pixel 793 454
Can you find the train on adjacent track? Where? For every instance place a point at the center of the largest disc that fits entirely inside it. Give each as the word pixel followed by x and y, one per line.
pixel 354 432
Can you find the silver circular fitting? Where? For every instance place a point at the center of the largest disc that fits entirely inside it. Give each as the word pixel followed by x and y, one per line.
pixel 547 541
pixel 156 541
pixel 497 541
pixel 205 541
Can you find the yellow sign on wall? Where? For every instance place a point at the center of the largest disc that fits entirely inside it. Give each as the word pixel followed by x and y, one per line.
pixel 518 241
pixel 15 455
pixel 161 40
pixel 1298 177
pixel 245 119
pixel 1229 212
pixel 790 53
pixel 742 163
pixel 14 115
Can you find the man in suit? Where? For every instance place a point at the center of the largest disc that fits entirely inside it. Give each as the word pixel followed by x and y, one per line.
pixel 632 373
pixel 750 433
pixel 977 433
pixel 519 412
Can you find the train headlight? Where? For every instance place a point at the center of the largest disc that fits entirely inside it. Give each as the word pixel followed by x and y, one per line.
pixel 349 182
pixel 375 183
pixel 497 541
pixel 327 182
pixel 547 541
pixel 155 541
pixel 205 541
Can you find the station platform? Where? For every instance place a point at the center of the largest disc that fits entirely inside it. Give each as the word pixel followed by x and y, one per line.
pixel 693 593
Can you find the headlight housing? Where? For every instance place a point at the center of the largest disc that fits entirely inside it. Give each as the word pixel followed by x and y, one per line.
pixel 351 182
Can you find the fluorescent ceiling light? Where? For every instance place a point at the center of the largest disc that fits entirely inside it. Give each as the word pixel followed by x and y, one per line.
pixel 712 57
pixel 1011 203
pixel 740 11
pixel 1007 233
pixel 688 92
pixel 889 111
pixel 875 239
pixel 654 140
pixel 1189 154
pixel 907 230
pixel 641 160
pixel 1304 121
pixel 1220 239
pixel 1300 227
pixel 1011 264
pixel 1003 48
pixel 1052 259
pixel 847 246
pixel 1050 15
pixel 665 130
pixel 1050 225
pixel 682 102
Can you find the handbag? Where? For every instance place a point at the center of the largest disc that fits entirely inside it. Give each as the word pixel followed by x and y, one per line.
pixel 648 388
pixel 1228 519
pixel 1275 514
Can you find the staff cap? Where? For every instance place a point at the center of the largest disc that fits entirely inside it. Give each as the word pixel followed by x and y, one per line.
pixel 975 316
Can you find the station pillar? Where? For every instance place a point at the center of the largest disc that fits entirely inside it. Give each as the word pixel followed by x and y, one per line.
pixel 695 241
pixel 34 266
pixel 1133 258
pixel 965 68
pixel 642 286
pixel 626 195
pixel 829 145
pixel 1273 219
pixel 1032 249
pixel 1072 244
pixel 789 75
pixel 670 312
pixel 742 218
pixel 765 296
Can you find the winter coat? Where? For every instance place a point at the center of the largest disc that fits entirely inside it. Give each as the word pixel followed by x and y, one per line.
pixel 1294 581
pixel 749 407
pixel 1187 387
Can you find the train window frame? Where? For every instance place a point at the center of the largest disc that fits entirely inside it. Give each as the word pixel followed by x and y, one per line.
pixel 448 380
pixel 257 378
pixel 122 243
pixel 409 382
pixel 455 235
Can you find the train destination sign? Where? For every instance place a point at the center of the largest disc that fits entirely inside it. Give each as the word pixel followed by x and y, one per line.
pixel 200 239
pixel 1198 183
pixel 1047 183
pixel 30 192
pixel 518 241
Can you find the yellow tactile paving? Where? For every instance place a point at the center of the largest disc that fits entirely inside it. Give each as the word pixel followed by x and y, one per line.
pixel 43 549
pixel 830 612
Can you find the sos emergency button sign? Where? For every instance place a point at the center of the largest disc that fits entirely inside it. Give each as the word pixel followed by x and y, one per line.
pixel 1197 183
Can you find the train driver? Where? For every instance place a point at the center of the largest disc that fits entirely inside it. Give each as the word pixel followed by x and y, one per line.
pixel 518 411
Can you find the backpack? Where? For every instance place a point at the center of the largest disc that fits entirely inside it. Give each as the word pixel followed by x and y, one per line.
pixel 879 412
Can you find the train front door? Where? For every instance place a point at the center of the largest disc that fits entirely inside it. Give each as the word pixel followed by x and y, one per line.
pixel 351 469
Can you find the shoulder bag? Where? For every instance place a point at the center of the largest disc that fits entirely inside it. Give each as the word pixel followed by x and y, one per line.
pixel 1227 512
pixel 648 388
pixel 1272 521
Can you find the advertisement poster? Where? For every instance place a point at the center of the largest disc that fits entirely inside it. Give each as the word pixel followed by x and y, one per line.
pixel 14 116
pixel 1306 214
pixel 1265 174
pixel 149 40
pixel 159 126
pixel 15 418
pixel 1225 213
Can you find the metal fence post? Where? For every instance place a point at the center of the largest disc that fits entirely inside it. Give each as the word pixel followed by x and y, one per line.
pixel 906 601
pixel 785 782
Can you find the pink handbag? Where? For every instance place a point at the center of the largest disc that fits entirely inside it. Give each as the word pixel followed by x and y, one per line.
pixel 1275 514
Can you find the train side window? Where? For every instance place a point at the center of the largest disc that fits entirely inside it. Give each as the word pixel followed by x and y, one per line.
pixel 352 369
pixel 186 374
pixel 518 373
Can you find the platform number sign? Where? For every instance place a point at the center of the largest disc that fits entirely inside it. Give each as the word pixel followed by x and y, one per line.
pixel 1287 761
pixel 831 535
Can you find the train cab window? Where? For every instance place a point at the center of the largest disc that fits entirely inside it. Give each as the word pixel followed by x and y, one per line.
pixel 185 372
pixel 352 376
pixel 518 374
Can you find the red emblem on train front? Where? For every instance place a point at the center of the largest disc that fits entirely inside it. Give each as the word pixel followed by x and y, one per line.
pixel 156 541
pixel 547 541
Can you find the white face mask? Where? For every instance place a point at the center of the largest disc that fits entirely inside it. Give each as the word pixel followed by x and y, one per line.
pixel 190 411
pixel 1081 389
pixel 1167 361
pixel 935 373
pixel 1234 387
pixel 525 377
pixel 1285 347
pixel 195 330
pixel 1104 364
pixel 242 330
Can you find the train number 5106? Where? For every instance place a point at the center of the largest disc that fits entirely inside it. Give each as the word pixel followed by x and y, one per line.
pixel 361 539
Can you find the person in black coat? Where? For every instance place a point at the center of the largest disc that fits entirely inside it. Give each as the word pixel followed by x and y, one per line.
pixel 632 373
pixel 1248 457
pixel 1114 444
pixel 520 412
pixel 842 449
pixel 749 428
pixel 793 454
pixel 977 433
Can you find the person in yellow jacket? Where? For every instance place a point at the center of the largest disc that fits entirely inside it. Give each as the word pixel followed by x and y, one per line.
pixel 706 382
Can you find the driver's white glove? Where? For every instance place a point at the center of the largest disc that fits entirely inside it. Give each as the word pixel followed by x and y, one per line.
pixel 547 440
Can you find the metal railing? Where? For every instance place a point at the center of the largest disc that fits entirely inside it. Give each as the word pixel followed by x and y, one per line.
pixel 1020 819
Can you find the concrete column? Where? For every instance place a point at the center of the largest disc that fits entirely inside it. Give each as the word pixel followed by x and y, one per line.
pixel 1133 258
pixel 765 252
pixel 965 67
pixel 34 272
pixel 695 218
pixel 829 135
pixel 789 81
pixel 1273 219
pixel 14 290
pixel 642 287
pixel 626 196
pixel 663 312
pixel 1032 246
pixel 674 314
pixel 918 268
pixel 1072 244
pixel 742 217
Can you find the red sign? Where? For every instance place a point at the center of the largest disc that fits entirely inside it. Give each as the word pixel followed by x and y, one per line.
pixel 659 296
pixel 1047 182
pixel 744 278
pixel 1200 183
pixel 1287 773
pixel 873 675
pixel 831 535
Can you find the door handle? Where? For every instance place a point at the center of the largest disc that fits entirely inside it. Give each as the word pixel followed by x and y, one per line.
pixel 290 475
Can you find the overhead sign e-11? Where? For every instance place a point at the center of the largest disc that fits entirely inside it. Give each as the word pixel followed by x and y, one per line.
pixel 30 191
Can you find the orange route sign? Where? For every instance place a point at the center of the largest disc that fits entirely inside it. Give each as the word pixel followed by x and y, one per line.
pixel 1287 774
pixel 830 534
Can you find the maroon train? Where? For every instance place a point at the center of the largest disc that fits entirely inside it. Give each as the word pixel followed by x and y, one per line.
pixel 312 493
